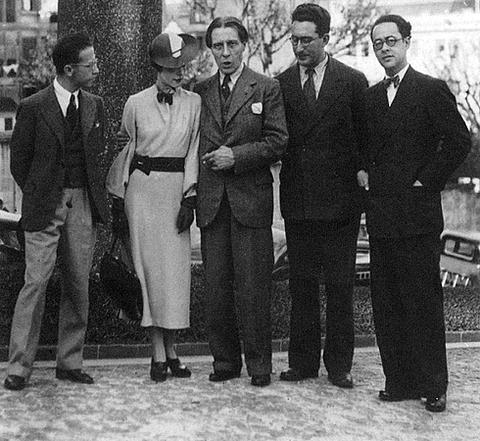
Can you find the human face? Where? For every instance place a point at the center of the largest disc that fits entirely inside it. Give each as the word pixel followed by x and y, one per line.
pixel 83 73
pixel 394 58
pixel 308 55
pixel 227 49
pixel 169 78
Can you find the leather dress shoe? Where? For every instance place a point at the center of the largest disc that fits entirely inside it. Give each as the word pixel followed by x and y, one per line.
pixel 344 381
pixel 74 375
pixel 177 369
pixel 436 404
pixel 217 376
pixel 398 396
pixel 260 380
pixel 297 375
pixel 158 370
pixel 15 382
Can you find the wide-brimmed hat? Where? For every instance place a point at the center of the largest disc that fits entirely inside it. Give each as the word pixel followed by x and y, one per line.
pixel 173 50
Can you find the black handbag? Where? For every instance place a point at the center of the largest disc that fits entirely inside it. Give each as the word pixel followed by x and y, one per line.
pixel 121 284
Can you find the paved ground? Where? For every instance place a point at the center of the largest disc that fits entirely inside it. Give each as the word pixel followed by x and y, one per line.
pixel 125 405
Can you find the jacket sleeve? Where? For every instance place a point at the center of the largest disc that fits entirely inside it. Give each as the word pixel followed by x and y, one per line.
pixel 22 144
pixel 191 160
pixel 454 139
pixel 273 141
pixel 359 117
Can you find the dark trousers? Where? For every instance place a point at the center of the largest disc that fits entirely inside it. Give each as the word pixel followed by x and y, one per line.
pixel 238 263
pixel 407 301
pixel 313 245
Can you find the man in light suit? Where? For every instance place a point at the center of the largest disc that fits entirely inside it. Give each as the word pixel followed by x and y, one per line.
pixel 55 148
pixel 242 132
pixel 319 196
pixel 416 139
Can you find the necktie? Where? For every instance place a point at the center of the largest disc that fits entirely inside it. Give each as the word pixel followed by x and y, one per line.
pixel 225 88
pixel 391 80
pixel 72 113
pixel 309 89
pixel 166 98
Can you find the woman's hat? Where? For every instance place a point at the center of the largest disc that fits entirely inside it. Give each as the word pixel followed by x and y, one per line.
pixel 173 50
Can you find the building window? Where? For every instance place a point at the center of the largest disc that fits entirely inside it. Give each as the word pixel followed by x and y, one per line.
pixel 10 11
pixel 8 124
pixel 29 44
pixel 27 5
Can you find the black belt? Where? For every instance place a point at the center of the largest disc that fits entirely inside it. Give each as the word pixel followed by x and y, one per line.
pixel 146 164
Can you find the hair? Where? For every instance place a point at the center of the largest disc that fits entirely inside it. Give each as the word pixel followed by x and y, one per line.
pixel 67 50
pixel 314 13
pixel 226 22
pixel 404 27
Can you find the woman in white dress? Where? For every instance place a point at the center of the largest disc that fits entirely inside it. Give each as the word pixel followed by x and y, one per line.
pixel 155 176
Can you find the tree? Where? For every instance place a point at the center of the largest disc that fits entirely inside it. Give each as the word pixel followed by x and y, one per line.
pixel 37 70
pixel 353 28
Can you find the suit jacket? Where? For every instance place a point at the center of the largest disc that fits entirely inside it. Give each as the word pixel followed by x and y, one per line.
pixel 255 130
pixel 318 177
pixel 420 137
pixel 37 155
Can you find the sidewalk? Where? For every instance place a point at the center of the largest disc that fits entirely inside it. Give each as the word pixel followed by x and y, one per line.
pixel 125 405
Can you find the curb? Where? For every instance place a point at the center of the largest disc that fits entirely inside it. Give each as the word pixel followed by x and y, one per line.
pixel 97 352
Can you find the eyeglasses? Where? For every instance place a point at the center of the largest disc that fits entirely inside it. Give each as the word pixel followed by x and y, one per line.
pixel 390 41
pixel 304 41
pixel 231 44
pixel 90 65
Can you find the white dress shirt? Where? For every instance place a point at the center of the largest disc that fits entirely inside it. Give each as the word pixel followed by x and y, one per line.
pixel 63 96
pixel 391 89
pixel 319 72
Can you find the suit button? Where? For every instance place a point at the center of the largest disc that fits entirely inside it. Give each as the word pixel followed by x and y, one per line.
pixel 374 163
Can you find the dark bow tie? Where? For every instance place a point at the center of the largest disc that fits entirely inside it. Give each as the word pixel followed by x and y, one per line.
pixel 391 80
pixel 166 98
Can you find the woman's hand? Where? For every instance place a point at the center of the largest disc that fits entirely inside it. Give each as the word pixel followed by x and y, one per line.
pixel 185 214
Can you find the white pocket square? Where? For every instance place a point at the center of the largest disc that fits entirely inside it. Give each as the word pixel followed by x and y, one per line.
pixel 96 125
pixel 257 108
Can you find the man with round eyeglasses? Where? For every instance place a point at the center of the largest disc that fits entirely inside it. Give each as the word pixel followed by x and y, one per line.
pixel 415 139
pixel 55 147
pixel 320 197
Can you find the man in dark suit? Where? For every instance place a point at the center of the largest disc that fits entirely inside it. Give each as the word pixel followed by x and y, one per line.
pixel 320 197
pixel 242 132
pixel 416 139
pixel 55 147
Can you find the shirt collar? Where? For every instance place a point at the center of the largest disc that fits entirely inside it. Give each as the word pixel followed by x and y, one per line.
pixel 319 68
pixel 63 93
pixel 233 76
pixel 402 73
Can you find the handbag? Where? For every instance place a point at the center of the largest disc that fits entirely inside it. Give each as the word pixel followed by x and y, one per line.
pixel 121 284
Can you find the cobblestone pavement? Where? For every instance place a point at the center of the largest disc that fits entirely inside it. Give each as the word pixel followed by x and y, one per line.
pixel 125 405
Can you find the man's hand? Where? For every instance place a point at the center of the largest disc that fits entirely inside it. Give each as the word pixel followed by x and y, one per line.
pixel 362 179
pixel 122 139
pixel 220 159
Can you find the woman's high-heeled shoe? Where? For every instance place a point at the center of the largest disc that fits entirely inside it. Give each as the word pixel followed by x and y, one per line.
pixel 158 370
pixel 177 369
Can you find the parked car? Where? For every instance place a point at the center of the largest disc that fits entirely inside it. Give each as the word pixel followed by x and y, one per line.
pixel 460 258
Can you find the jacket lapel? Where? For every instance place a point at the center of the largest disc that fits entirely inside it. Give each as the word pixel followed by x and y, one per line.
pixel 87 114
pixel 293 93
pixel 53 115
pixel 211 99
pixel 403 99
pixel 332 87
pixel 241 93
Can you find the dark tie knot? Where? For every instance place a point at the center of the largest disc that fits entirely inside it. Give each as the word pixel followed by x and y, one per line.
pixel 166 98
pixel 310 72
pixel 391 80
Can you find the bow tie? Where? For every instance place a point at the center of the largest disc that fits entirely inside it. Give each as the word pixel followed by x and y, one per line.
pixel 166 98
pixel 391 80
